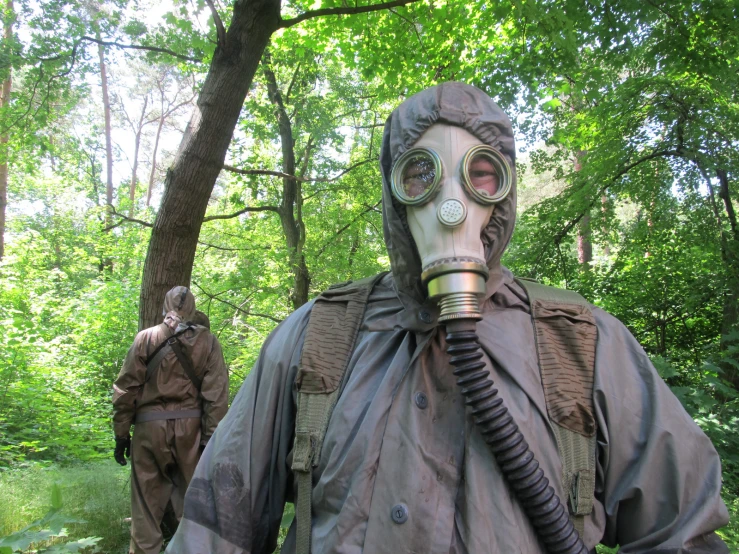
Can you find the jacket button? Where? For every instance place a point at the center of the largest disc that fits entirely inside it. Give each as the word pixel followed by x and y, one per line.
pixel 400 513
pixel 422 401
pixel 425 316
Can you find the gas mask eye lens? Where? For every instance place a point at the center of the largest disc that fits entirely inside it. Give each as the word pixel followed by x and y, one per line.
pixel 416 176
pixel 486 174
pixel 483 176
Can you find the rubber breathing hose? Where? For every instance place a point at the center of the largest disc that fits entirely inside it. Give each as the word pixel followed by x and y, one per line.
pixel 515 459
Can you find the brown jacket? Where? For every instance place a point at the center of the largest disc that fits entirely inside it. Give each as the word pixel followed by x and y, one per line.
pixel 170 389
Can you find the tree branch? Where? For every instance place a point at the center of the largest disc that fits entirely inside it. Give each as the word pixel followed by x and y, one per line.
pixel 292 82
pixel 241 212
pixel 124 219
pixel 233 169
pixel 226 249
pixel 345 227
pixel 413 25
pixel 141 47
pixel 235 307
pixel 343 11
pixel 620 173
pixel 220 30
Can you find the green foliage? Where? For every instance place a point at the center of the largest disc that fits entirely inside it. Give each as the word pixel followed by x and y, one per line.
pixel 96 501
pixel 643 96
pixel 48 535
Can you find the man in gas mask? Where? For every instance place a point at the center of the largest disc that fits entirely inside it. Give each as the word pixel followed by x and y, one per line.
pixel 372 408
pixel 174 387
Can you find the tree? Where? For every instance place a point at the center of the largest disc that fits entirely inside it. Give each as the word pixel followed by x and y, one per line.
pixel 202 152
pixel 8 20
pixel 170 103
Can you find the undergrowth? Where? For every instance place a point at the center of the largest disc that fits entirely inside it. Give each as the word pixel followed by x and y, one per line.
pixel 96 495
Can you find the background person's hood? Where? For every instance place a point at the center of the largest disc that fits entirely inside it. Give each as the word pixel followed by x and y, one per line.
pixel 467 107
pixel 181 301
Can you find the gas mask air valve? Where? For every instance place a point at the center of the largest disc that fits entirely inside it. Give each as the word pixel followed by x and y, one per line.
pixel 451 212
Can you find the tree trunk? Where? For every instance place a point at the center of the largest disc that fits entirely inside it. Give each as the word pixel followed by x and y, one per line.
pixel 4 103
pixel 108 139
pixel 584 241
pixel 292 198
pixel 134 171
pixel 152 175
pixel 604 210
pixel 190 180
pixel 731 257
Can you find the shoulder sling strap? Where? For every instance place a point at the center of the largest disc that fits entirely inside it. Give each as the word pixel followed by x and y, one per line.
pixel 172 343
pixel 186 363
pixel 329 341
pixel 565 334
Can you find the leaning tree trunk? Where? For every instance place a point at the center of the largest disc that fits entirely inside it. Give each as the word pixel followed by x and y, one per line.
pixel 190 181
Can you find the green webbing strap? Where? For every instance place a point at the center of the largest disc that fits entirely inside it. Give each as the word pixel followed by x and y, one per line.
pixel 577 450
pixel 314 411
pixel 537 291
pixel 329 342
pixel 578 472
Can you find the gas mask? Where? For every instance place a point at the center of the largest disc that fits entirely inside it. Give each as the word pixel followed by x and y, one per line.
pixel 450 182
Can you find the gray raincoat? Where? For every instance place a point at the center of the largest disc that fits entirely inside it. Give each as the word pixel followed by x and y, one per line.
pixel 658 476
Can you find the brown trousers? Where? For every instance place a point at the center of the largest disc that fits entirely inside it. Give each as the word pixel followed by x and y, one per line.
pixel 163 458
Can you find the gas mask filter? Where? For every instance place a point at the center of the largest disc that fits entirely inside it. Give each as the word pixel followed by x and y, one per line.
pixel 450 182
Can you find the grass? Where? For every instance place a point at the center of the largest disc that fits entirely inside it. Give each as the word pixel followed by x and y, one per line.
pixel 97 493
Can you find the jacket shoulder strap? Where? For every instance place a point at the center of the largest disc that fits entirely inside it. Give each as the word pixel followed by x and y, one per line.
pixel 333 327
pixel 186 363
pixel 566 334
pixel 156 357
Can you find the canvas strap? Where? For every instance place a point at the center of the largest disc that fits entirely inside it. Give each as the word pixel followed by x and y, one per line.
pixel 156 357
pixel 186 363
pixel 333 327
pixel 566 334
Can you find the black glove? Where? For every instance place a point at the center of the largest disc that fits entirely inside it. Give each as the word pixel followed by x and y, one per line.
pixel 122 444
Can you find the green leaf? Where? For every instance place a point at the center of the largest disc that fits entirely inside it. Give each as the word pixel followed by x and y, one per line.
pixel 56 497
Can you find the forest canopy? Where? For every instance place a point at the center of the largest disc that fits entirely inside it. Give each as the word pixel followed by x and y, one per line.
pixel 232 146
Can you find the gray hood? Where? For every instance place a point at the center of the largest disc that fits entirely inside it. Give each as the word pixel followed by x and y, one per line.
pixel 179 300
pixel 455 104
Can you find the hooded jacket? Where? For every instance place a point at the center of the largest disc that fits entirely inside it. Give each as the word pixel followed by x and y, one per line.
pixel 658 476
pixel 169 388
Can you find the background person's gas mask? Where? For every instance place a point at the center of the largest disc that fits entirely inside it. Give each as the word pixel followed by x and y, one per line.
pixel 450 182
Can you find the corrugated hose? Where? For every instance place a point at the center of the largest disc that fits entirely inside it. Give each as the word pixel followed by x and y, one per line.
pixel 515 459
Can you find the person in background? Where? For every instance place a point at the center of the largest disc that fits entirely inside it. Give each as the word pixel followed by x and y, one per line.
pixel 174 388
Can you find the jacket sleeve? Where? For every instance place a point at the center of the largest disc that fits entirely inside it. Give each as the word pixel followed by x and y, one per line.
pixel 214 389
pixel 127 385
pixel 659 476
pixel 235 500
